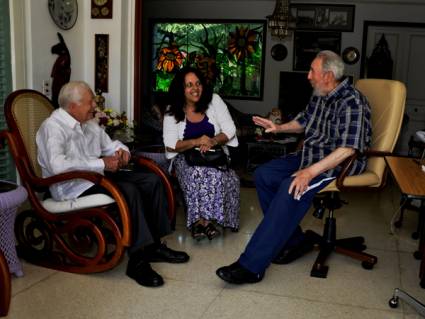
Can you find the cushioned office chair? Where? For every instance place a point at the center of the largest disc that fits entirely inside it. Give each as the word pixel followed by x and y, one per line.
pixel 387 100
pixel 85 235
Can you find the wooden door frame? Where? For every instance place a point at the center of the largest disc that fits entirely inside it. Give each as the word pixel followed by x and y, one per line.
pixel 367 24
pixel 137 61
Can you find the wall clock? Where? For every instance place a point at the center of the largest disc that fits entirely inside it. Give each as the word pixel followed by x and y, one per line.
pixel 63 12
pixel 350 55
pixel 101 9
pixel 279 52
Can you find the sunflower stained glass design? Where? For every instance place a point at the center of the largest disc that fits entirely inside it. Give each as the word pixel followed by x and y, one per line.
pixel 170 58
pixel 229 54
pixel 242 42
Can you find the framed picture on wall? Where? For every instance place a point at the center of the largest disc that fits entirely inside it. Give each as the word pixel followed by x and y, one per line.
pixel 308 44
pixel 230 54
pixel 323 17
pixel 101 62
pixel 101 9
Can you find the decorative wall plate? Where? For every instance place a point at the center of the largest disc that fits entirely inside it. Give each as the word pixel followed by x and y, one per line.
pixel 350 55
pixel 64 13
pixel 279 52
pixel 101 9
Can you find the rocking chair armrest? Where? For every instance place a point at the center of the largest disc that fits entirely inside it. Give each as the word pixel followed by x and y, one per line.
pixel 156 169
pixel 93 177
pixel 102 181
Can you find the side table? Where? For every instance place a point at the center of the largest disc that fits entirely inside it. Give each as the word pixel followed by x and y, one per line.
pixel 408 174
pixel 11 196
pixel 259 152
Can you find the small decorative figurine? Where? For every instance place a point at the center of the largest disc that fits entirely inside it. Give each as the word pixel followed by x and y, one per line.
pixel 100 100
pixel 275 116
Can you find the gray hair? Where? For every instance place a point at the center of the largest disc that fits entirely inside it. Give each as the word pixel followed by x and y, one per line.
pixel 72 92
pixel 332 62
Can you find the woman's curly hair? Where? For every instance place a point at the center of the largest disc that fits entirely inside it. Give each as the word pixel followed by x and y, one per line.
pixel 176 96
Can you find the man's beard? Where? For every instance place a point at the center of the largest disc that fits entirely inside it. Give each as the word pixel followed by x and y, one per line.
pixel 317 91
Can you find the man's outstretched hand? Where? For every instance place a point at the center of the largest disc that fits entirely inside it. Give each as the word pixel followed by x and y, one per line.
pixel 269 126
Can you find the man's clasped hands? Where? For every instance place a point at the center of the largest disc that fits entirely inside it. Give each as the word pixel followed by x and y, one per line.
pixel 117 161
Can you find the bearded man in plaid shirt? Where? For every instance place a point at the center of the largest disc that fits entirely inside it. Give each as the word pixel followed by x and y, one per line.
pixel 336 124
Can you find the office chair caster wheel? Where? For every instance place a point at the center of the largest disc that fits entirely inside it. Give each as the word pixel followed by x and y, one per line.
pixel 393 302
pixel 367 265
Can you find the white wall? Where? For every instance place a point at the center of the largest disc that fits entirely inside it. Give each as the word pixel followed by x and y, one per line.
pixel 41 36
pixel 384 10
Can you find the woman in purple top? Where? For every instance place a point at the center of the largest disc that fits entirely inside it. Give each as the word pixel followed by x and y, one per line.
pixel 198 118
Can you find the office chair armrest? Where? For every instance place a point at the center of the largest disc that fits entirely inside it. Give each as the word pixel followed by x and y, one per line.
pixel 374 153
pixel 348 163
pixel 346 166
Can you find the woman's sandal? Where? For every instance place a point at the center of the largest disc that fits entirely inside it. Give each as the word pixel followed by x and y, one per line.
pixel 211 231
pixel 198 231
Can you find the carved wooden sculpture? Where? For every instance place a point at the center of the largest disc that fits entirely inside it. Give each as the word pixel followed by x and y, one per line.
pixel 61 71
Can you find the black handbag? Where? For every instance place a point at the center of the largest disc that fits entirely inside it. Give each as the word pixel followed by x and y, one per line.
pixel 215 157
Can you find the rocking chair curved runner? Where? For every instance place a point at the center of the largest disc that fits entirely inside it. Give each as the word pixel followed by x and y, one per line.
pixel 85 235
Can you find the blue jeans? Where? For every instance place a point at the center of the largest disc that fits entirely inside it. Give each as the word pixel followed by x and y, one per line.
pixel 282 213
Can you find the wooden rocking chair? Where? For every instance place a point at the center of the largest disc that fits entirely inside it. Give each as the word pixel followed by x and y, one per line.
pixel 85 235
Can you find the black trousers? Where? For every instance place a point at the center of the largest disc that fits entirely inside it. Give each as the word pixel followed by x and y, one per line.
pixel 147 202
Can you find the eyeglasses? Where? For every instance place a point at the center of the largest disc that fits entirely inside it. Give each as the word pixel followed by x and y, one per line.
pixel 190 85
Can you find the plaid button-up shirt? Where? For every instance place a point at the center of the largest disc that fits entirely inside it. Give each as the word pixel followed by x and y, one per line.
pixel 340 119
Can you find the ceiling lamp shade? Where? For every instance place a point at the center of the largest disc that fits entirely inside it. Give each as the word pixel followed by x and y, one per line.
pixel 278 22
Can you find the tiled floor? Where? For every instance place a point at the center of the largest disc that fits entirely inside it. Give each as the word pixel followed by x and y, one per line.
pixel 193 290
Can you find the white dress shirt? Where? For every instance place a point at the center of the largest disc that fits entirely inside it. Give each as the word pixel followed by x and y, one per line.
pixel 66 145
pixel 218 115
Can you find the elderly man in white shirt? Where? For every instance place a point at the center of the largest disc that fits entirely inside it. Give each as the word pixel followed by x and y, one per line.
pixel 71 140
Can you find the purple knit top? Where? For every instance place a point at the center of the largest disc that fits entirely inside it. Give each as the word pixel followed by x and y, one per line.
pixel 195 130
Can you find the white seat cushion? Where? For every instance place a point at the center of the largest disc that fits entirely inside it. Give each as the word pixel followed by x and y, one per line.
pixel 88 201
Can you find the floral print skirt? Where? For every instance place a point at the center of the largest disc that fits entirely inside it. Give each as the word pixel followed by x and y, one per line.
pixel 209 193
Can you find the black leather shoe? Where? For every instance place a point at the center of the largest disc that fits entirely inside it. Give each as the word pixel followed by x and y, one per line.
pixel 289 254
pixel 236 274
pixel 142 272
pixel 161 253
